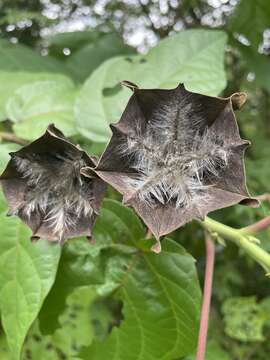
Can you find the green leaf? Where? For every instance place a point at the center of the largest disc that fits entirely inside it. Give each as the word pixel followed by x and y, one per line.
pixel 77 267
pixel 161 298
pixel 250 19
pixel 80 263
pixel 75 330
pixel 89 57
pixel 194 57
pixel 11 81
pixel 4 351
pixel 27 272
pixel 72 40
pixel 257 63
pixel 156 290
pixel 5 149
pixel 14 16
pixel 17 57
pixel 34 106
pixel 244 319
pixel 117 225
pixel 106 312
pixel 213 352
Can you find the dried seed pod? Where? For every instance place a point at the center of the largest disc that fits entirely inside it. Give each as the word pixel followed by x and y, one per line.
pixel 176 155
pixel 44 185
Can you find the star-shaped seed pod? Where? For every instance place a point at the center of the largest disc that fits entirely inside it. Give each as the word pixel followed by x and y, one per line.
pixel 45 186
pixel 175 156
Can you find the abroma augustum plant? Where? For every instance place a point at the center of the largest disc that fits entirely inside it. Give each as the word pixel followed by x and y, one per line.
pixel 174 155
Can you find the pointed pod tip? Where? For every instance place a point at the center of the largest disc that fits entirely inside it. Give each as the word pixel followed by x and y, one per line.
pixel 156 248
pixel 34 239
pixel 11 212
pixel 91 240
pixel 62 240
pixel 251 202
pixel 51 127
pixel 54 131
pixel 129 85
pixel 87 172
pixel 127 200
pixel 238 100
pixel 78 146
pixel 94 159
pixel 181 85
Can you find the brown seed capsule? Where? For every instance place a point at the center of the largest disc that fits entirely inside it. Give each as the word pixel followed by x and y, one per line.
pixel 176 155
pixel 44 186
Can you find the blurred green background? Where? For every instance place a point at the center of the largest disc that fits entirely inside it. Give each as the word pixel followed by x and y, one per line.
pixel 62 62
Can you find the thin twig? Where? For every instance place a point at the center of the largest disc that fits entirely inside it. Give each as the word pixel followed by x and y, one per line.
pixel 12 138
pixel 263 197
pixel 257 226
pixel 207 293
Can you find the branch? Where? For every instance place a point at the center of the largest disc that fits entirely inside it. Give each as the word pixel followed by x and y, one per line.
pixel 263 197
pixel 207 293
pixel 241 239
pixel 12 138
pixel 257 226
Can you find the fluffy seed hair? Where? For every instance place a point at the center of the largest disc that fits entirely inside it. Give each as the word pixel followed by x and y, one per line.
pixel 173 155
pixel 45 187
pixel 55 189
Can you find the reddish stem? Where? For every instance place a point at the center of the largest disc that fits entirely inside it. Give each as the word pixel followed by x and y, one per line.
pixel 207 292
pixel 257 226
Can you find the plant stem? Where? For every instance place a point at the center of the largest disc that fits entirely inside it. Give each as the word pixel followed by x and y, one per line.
pixel 207 292
pixel 263 197
pixel 257 226
pixel 241 239
pixel 12 138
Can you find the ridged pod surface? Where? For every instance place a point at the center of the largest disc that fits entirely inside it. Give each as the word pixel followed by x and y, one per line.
pixel 44 186
pixel 176 155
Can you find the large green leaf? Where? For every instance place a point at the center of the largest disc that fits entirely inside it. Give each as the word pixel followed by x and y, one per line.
pixel 257 63
pixel 14 16
pixel 34 106
pixel 72 40
pixel 74 333
pixel 158 291
pixel 194 57
pixel 27 272
pixel 90 56
pixel 244 318
pixel 117 225
pixel 10 81
pixel 250 19
pixel 5 149
pixel 213 352
pixel 20 65
pixel 17 57
pixel 80 262
pixel 161 300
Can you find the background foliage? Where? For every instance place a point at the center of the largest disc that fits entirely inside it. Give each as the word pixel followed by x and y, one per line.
pixel 62 62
